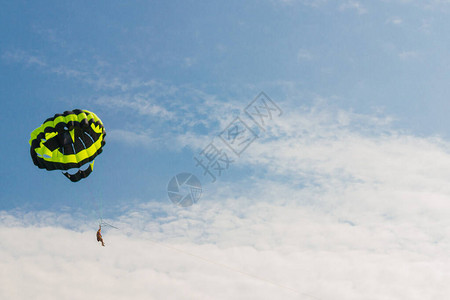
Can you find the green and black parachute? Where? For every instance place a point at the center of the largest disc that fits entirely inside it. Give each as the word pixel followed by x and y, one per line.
pixel 68 140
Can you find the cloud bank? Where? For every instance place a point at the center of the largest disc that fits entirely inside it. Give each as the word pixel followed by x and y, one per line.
pixel 339 205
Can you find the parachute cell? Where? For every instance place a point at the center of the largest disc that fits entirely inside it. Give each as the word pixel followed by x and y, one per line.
pixel 66 141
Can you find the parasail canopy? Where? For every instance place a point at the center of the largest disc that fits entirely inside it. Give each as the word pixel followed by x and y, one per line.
pixel 68 140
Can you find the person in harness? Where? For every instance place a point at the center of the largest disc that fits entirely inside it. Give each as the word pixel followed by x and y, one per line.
pixel 99 235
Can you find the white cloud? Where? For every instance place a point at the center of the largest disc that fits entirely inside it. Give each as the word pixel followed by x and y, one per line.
pixel 426 26
pixel 135 138
pixel 95 73
pixel 304 55
pixel 20 56
pixel 432 5
pixel 142 103
pixel 232 249
pixel 340 206
pixel 395 21
pixel 436 4
pixel 189 61
pixel 174 114
pixel 311 3
pixel 407 55
pixel 353 5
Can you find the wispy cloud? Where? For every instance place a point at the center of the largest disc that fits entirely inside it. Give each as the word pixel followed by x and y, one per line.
pixel 95 73
pixel 22 57
pixel 408 55
pixel 394 21
pixel 436 4
pixel 175 113
pixel 426 26
pixel 304 55
pixel 189 62
pixel 432 5
pixel 353 5
pixel 140 138
pixel 333 194
pixel 141 103
pixel 311 3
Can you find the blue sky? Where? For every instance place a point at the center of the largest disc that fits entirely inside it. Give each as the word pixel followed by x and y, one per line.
pixel 360 149
pixel 366 57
